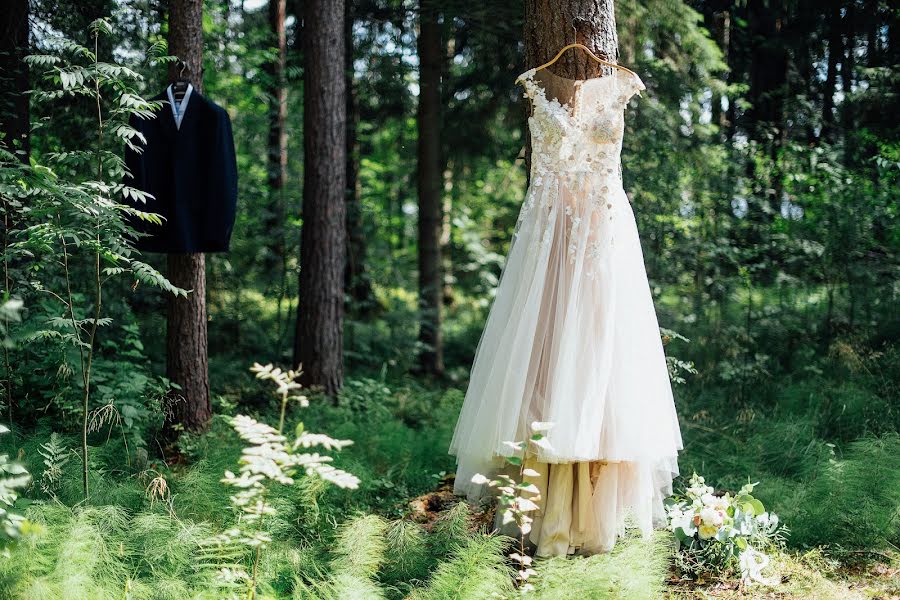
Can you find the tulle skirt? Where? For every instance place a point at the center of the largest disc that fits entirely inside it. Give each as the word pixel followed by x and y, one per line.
pixel 572 339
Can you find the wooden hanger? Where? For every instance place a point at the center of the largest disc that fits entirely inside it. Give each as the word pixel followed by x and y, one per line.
pixel 589 52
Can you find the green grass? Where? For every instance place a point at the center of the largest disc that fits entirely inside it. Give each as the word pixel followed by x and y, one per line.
pixel 821 439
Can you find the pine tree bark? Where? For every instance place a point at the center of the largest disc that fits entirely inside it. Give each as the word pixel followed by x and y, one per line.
pixel 431 357
pixel 14 106
pixel 318 345
pixel 277 140
pixel 552 24
pixel 186 335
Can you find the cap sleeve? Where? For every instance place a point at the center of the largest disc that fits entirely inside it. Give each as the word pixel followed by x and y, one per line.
pixel 526 79
pixel 638 85
pixel 632 84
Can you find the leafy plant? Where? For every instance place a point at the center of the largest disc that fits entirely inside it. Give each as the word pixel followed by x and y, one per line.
pixel 56 456
pixel 517 499
pixel 267 461
pixel 13 477
pixel 76 210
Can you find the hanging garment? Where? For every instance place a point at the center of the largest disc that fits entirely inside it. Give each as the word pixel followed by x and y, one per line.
pixel 188 165
pixel 572 336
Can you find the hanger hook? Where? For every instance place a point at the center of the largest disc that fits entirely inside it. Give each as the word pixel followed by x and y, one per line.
pixel 183 66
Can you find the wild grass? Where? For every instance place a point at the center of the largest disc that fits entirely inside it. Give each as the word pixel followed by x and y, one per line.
pixel 636 569
pixel 822 441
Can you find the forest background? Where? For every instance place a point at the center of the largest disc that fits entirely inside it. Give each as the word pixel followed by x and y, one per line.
pixel 763 166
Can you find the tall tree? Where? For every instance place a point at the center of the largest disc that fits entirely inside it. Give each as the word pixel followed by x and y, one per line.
pixel 431 52
pixel 277 156
pixel 319 344
pixel 14 113
pixel 186 336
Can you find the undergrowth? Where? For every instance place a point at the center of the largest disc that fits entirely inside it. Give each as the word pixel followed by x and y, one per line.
pixel 832 474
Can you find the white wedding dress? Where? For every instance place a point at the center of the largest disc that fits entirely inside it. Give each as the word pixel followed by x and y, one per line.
pixel 572 337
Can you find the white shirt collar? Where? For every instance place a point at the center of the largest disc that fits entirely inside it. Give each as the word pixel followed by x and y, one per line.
pixel 179 108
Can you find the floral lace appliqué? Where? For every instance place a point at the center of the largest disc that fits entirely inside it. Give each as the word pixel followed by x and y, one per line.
pixel 578 144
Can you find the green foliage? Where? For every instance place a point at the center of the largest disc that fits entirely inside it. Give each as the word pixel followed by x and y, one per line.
pixel 408 559
pixel 475 569
pixel 56 456
pixel 73 234
pixel 267 461
pixel 636 569
pixel 13 478
pixel 772 246
pixel 358 555
pixel 852 501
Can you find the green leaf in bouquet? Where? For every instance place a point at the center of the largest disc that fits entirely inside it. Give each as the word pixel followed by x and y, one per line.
pixel 747 489
pixel 756 507
pixel 680 535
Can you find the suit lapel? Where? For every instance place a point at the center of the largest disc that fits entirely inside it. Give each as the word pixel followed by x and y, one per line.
pixel 190 112
pixel 164 119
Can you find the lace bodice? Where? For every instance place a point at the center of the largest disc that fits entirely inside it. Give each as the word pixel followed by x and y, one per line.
pixel 583 133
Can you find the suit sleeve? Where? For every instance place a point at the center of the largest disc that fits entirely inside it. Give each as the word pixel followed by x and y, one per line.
pixel 136 175
pixel 226 194
pixel 134 161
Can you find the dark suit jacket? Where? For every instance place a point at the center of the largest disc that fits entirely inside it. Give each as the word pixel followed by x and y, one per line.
pixel 191 172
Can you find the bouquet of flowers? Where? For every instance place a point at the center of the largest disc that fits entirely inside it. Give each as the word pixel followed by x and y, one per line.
pixel 718 533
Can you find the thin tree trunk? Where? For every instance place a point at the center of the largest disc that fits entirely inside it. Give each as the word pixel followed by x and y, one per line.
pixel 835 54
pixel 361 298
pixel 847 68
pixel 277 155
pixel 447 233
pixel 186 338
pixel 14 109
pixel 722 31
pixel 318 346
pixel 431 52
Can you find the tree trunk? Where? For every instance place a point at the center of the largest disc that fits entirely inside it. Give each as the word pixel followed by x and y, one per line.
pixel 722 32
pixel 186 341
pixel 277 155
pixel 835 54
pixel 14 110
pixel 551 24
pixel 848 65
pixel 765 119
pixel 360 297
pixel 318 346
pixel 431 357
